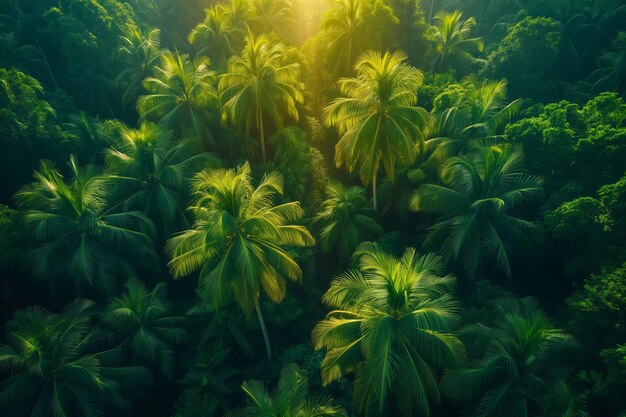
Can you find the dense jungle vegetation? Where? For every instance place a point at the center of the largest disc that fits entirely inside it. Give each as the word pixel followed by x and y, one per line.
pixel 304 208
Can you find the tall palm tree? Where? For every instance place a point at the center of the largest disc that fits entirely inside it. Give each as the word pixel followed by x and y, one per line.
pixel 141 323
pixel 345 24
pixel 454 47
pixel 140 54
pixel 272 16
pixel 477 205
pixel 150 173
pixel 180 96
pixel 47 367
pixel 213 37
pixel 291 398
pixel 377 116
pixel 79 236
pixel 392 327
pixel 517 363
pixel 238 240
pixel 345 220
pixel 259 84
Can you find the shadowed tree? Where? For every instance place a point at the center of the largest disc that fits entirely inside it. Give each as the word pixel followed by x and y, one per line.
pixel 141 323
pixel 151 173
pixel 291 398
pixel 393 328
pixel 238 240
pixel 346 219
pixel 48 368
pixel 477 203
pixel 259 84
pixel 454 47
pixel 215 35
pixel 518 365
pixel 345 22
pixel 80 238
pixel 376 116
pixel 180 96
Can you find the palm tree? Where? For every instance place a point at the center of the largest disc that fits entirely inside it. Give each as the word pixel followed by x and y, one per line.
pixel 454 47
pixel 477 117
pixel 151 173
pixel 141 323
pixel 392 327
pixel 345 24
pixel 611 74
pixel 291 398
pixel 477 203
pixel 140 54
pixel 47 367
pixel 238 238
pixel 346 219
pixel 180 96
pixel 272 16
pixel 260 84
pixel 214 35
pixel 79 236
pixel 376 116
pixel 516 366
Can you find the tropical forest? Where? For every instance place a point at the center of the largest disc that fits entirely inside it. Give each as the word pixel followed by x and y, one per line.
pixel 313 208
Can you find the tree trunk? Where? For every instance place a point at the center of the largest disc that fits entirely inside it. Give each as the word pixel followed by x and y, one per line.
pixel 374 199
pixel 45 60
pixel 430 15
pixel 262 132
pixel 259 314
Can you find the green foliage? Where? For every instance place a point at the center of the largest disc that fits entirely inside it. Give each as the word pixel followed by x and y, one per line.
pixel 259 84
pixel 477 205
pixel 79 238
pixel 518 364
pixel 49 368
pixel 180 97
pixel 291 398
pixel 376 116
pixel 345 220
pixel 141 323
pixel 392 328
pixel 526 54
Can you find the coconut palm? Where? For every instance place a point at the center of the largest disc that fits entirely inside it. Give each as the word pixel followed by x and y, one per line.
pixel 272 16
pixel 377 116
pixel 517 363
pixel 478 116
pixel 259 85
pixel 291 398
pixel 213 37
pixel 80 238
pixel 477 205
pixel 47 368
pixel 238 240
pixel 180 96
pixel 392 327
pixel 345 24
pixel 140 54
pixel 140 322
pixel 151 173
pixel 346 219
pixel 454 47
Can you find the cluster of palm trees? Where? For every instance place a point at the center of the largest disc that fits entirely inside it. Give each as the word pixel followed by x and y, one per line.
pixel 393 321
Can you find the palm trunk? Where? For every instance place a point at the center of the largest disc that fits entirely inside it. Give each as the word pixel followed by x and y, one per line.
pixel 430 15
pixel 259 314
pixel 48 67
pixel 259 116
pixel 374 199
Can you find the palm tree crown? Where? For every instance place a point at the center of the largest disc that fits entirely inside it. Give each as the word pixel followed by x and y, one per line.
pixel 291 398
pixel 346 219
pixel 180 95
pixel 79 235
pixel 476 204
pixel 516 366
pixel 50 371
pixel 376 116
pixel 238 238
pixel 392 326
pixel 260 84
pixel 454 46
